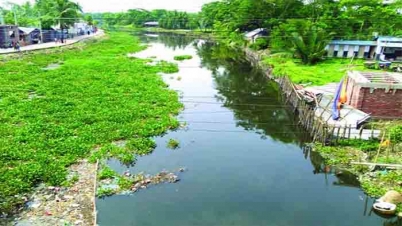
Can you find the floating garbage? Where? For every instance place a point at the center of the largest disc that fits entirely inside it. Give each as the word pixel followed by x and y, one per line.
pixel 384 208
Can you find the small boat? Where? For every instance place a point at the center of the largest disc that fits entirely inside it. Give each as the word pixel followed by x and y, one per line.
pixel 384 208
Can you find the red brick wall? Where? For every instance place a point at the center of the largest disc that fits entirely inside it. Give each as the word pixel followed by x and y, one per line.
pixel 378 104
pixel 382 104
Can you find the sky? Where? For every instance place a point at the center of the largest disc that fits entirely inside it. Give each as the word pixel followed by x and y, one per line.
pixel 123 5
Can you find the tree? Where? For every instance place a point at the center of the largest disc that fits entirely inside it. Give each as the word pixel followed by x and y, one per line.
pixel 89 19
pixel 309 43
pixel 62 12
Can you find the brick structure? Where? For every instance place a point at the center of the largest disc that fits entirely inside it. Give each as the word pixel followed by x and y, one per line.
pixel 376 93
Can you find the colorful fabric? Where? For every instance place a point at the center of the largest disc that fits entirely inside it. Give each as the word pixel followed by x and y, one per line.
pixel 340 98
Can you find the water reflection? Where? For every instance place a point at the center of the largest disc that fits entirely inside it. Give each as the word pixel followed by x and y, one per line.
pixel 254 99
pixel 171 40
pixel 235 178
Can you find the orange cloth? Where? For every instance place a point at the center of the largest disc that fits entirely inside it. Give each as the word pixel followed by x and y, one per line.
pixel 343 98
pixel 385 143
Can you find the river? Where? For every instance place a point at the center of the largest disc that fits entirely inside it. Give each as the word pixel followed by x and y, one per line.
pixel 242 151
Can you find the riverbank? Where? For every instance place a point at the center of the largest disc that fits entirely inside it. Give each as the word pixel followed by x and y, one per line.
pixel 71 103
pixel 346 154
pixel 51 45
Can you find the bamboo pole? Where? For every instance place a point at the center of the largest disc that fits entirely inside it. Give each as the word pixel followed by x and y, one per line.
pixel 337 135
pixel 379 148
pixel 377 164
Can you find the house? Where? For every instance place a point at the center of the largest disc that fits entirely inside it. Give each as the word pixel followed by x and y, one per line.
pixel 390 47
pixel 383 48
pixel 151 24
pixel 29 35
pixel 81 28
pixel 351 48
pixel 257 33
pixel 8 33
pixel 49 35
pixel 376 93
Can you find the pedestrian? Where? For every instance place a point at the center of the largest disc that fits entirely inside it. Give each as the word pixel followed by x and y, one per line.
pixel 88 32
pixel 55 40
pixel 18 46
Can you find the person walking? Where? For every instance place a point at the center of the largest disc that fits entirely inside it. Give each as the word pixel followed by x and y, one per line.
pixel 18 46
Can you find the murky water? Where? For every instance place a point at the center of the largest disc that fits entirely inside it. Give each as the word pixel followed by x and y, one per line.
pixel 243 153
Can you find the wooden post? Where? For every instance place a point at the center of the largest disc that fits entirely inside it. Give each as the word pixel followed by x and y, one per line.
pixel 337 135
pixel 332 133
pixel 344 131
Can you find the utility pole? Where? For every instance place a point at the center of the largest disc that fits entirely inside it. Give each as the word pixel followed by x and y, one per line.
pixel 40 27
pixel 15 16
pixel 1 17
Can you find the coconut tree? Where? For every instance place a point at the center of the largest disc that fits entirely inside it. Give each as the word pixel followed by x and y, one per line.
pixel 309 43
pixel 61 12
pixel 66 13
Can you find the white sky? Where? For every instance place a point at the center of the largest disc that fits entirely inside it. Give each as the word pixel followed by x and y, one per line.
pixel 123 5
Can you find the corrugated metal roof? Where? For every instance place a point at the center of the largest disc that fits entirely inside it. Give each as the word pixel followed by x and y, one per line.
pixel 389 39
pixel 254 32
pixel 27 30
pixel 152 23
pixel 353 42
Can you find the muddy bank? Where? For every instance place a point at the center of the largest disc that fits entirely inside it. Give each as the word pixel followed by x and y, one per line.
pixel 70 205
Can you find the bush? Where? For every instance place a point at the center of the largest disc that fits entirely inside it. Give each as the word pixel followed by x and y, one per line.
pixel 396 134
pixel 260 44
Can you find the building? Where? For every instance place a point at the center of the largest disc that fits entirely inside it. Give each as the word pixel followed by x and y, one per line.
pixel 382 48
pixel 8 33
pixel 81 28
pixel 391 47
pixel 151 24
pixel 349 49
pixel 49 35
pixel 29 35
pixel 257 33
pixel 376 93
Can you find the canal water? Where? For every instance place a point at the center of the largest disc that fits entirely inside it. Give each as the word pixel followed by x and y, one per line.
pixel 242 151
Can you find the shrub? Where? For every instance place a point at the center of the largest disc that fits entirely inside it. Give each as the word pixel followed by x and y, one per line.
pixel 260 44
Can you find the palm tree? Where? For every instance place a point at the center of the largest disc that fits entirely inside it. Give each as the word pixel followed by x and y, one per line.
pixel 66 13
pixel 61 12
pixel 310 43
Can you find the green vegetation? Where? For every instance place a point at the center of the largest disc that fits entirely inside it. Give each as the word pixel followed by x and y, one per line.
pixel 167 67
pixel 124 183
pixel 135 18
pixel 71 181
pixel 104 192
pixel 338 156
pixel 48 12
pixel 382 182
pixel 260 44
pixel 375 183
pixel 331 70
pixel 173 144
pixel 50 119
pixel 183 57
pixel 141 146
pixel 106 173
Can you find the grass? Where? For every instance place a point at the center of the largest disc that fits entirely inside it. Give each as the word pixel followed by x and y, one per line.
pixel 96 97
pixel 327 71
pixel 183 57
